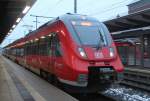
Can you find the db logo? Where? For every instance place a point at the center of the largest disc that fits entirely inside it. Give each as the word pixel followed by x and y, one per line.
pixel 98 55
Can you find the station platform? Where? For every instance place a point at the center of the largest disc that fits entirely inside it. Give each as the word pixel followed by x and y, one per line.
pixel 8 90
pixel 19 84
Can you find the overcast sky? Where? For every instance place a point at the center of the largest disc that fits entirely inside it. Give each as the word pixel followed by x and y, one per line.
pixel 100 9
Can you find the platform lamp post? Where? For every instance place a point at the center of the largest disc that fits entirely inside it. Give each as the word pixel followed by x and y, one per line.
pixel 75 6
pixel 142 50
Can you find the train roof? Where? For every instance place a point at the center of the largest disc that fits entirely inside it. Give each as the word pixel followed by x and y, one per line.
pixel 64 18
pixel 15 42
pixel 70 16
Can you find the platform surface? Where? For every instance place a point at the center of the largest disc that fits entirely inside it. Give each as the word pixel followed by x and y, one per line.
pixel 8 90
pixel 19 84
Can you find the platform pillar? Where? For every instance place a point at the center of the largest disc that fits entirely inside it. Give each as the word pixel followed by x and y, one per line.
pixel 142 50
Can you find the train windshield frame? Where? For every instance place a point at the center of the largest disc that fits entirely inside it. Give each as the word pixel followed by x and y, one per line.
pixel 91 33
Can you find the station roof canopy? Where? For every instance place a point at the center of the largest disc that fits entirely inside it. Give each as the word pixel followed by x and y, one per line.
pixel 131 21
pixel 137 32
pixel 10 11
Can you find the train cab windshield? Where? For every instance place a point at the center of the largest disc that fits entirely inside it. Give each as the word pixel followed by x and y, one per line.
pixel 90 33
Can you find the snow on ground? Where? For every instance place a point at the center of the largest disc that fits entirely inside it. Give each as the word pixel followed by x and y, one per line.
pixel 122 93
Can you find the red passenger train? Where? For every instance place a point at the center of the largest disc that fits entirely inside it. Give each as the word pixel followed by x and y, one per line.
pixel 74 50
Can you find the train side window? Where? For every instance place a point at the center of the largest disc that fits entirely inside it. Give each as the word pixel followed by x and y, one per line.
pixel 24 47
pixel 58 49
pixel 36 48
pixel 33 48
pixel 46 47
pixel 29 48
pixel 49 51
pixel 21 52
pixel 57 45
pixel 42 46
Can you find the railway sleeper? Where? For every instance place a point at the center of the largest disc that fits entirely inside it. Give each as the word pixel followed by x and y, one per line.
pixel 141 80
pixel 136 84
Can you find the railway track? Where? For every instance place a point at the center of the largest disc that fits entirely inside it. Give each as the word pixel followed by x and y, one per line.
pixel 139 78
pixel 92 97
pixel 130 98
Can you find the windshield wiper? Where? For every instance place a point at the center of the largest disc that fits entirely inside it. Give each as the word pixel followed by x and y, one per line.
pixel 99 45
pixel 100 42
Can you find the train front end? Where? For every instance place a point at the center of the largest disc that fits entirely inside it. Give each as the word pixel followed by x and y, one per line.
pixel 95 61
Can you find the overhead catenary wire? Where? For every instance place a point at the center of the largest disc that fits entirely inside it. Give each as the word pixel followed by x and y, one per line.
pixel 111 7
pixel 52 7
pixel 49 9
pixel 86 3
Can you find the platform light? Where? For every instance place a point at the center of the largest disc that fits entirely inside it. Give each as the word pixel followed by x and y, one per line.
pixel 31 41
pixel 138 43
pixel 36 39
pixel 13 26
pixel 10 30
pixel 49 35
pixel 42 37
pixel 26 9
pixel 18 20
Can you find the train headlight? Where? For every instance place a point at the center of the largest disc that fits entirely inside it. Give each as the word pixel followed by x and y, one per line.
pixel 82 52
pixel 111 52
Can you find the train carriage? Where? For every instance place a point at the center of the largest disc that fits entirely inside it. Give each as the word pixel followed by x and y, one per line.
pixel 76 50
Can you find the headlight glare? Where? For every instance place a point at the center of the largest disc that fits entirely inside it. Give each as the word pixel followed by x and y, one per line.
pixel 82 52
pixel 111 52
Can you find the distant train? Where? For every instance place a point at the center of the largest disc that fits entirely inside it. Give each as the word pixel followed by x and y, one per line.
pixel 130 52
pixel 73 50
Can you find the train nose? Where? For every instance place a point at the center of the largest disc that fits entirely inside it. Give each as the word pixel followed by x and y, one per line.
pixel 105 53
pixel 101 74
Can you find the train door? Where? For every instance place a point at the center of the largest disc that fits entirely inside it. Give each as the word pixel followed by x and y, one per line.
pixel 56 59
pixel 52 55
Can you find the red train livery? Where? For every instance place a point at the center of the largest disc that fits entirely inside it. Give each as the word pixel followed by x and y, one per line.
pixel 74 50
